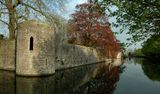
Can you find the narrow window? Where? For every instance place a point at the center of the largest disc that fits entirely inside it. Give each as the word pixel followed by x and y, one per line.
pixel 31 44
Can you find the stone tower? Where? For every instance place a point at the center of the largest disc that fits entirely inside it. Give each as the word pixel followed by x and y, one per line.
pixel 35 49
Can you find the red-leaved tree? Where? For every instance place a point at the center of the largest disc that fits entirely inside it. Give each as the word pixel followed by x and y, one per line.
pixel 89 27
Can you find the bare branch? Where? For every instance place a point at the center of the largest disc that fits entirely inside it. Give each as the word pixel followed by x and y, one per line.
pixel 4 8
pixel 22 17
pixel 4 22
pixel 33 8
pixel 4 12
pixel 2 3
pixel 18 2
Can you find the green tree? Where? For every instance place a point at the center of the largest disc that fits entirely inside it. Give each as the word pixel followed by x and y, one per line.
pixel 141 17
pixel 138 52
pixel 13 12
pixel 152 47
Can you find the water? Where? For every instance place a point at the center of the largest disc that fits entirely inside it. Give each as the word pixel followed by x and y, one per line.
pixel 134 76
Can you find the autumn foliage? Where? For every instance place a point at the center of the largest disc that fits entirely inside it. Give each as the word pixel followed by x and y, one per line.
pixel 89 27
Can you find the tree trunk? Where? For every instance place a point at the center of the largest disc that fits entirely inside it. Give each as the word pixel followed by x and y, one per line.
pixel 12 25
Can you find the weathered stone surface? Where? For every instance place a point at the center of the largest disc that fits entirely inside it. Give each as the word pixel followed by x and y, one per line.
pixel 40 60
pixel 68 55
pixel 7 54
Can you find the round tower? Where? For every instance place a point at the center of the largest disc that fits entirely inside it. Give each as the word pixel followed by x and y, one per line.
pixel 35 49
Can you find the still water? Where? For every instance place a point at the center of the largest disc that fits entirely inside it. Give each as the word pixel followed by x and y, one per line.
pixel 133 76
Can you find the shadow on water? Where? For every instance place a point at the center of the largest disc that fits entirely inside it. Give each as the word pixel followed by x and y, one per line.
pixel 92 79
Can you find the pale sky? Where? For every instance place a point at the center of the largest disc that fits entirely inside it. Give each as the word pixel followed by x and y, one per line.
pixel 70 7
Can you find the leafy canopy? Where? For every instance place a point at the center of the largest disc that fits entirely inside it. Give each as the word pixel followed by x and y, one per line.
pixel 152 46
pixel 90 27
pixel 141 17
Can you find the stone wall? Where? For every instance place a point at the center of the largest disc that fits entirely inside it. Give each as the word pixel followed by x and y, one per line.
pixel 7 54
pixel 50 51
pixel 40 59
pixel 68 55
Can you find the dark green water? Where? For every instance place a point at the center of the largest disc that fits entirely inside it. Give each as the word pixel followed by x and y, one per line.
pixel 134 76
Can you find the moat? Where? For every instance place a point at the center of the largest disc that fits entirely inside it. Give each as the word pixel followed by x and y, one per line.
pixel 133 76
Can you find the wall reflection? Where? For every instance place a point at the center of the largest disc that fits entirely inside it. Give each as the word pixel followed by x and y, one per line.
pixel 7 82
pixel 43 85
pixel 92 79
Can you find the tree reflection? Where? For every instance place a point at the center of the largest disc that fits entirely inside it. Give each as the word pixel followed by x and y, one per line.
pixel 151 69
pixel 104 81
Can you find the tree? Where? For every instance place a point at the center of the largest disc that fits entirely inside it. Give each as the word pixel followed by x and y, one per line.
pixel 141 17
pixel 12 12
pixel 151 47
pixel 89 27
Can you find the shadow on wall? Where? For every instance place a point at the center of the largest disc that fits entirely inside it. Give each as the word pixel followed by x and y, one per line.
pixel 91 79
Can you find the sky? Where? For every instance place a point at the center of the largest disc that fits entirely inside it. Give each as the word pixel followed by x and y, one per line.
pixel 3 29
pixel 70 7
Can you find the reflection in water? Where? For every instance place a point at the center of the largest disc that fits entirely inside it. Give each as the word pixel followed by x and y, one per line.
pixel 104 82
pixel 44 85
pixel 7 82
pixel 135 76
pixel 92 79
pixel 151 69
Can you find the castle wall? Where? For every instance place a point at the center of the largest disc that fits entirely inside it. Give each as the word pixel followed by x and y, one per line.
pixel 40 51
pixel 68 55
pixel 7 54
pixel 71 55
pixel 40 59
